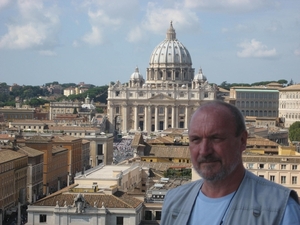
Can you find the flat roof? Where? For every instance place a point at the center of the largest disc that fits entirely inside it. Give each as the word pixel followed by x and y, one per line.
pixel 105 172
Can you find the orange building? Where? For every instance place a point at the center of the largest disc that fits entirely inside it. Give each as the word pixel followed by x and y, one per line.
pixel 55 168
pixel 74 146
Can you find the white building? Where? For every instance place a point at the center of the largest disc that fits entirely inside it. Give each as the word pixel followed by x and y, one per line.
pixel 289 104
pixel 166 98
pixel 86 208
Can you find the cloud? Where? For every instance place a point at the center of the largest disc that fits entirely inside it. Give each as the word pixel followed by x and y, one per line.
pixel 157 17
pixel 255 49
pixel 237 6
pixel 36 27
pixel 4 4
pixel 297 52
pixel 105 18
pixel 135 35
pixel 94 37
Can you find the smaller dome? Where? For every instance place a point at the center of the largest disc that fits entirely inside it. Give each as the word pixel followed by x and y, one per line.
pixel 199 76
pixel 136 74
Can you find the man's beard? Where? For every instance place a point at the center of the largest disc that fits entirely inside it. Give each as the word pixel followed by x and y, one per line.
pixel 208 174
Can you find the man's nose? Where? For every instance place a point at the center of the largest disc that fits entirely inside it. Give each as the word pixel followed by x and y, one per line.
pixel 205 147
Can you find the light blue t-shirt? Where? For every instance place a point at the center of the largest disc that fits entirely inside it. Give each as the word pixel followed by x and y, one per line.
pixel 211 211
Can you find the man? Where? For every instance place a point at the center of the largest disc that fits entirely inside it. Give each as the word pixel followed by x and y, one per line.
pixel 227 192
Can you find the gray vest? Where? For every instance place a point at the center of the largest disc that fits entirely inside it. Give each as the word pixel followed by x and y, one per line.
pixel 258 201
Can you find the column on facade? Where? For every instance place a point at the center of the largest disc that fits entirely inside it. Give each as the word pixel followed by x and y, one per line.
pixel 111 115
pixel 187 116
pixel 173 117
pixel 136 122
pixel 166 118
pixel 146 115
pixel 125 118
pixel 156 118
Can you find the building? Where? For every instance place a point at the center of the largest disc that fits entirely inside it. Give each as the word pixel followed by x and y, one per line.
pixel 64 107
pixel 73 207
pixel 280 169
pixel 34 173
pixel 166 98
pixel 74 147
pixel 289 104
pixel 13 114
pixel 85 154
pixel 29 125
pixel 55 163
pixel 258 101
pixel 13 178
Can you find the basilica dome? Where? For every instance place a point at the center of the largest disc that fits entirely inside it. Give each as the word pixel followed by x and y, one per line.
pixel 170 51
pixel 136 75
pixel 200 77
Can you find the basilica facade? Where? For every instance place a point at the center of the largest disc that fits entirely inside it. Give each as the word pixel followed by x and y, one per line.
pixel 166 98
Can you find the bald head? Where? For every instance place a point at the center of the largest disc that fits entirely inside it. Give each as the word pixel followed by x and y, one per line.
pixel 225 109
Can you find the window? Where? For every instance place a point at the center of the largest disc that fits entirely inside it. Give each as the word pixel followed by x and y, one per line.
pixel 157 215
pixel 261 166
pixel 294 180
pixel 250 166
pixel 272 178
pixel 117 93
pixel 283 179
pixel 262 176
pixel 272 166
pixel 141 109
pixel 100 149
pixel 283 166
pixel 294 167
pixel 148 215
pixel 43 218
pixel 117 109
pixel 161 110
pixel 120 220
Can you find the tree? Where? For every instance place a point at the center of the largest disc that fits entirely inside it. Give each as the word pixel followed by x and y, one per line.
pixel 291 83
pixel 282 81
pixel 294 131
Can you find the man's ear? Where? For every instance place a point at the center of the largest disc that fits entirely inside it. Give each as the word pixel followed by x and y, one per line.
pixel 243 139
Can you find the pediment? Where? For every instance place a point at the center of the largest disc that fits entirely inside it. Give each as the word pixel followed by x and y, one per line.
pixel 161 96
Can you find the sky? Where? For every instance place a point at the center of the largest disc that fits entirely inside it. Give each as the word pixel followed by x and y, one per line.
pixel 103 41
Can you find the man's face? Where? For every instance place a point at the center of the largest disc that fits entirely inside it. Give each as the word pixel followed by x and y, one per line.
pixel 215 149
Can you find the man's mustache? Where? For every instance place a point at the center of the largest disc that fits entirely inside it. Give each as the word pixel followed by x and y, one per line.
pixel 208 159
